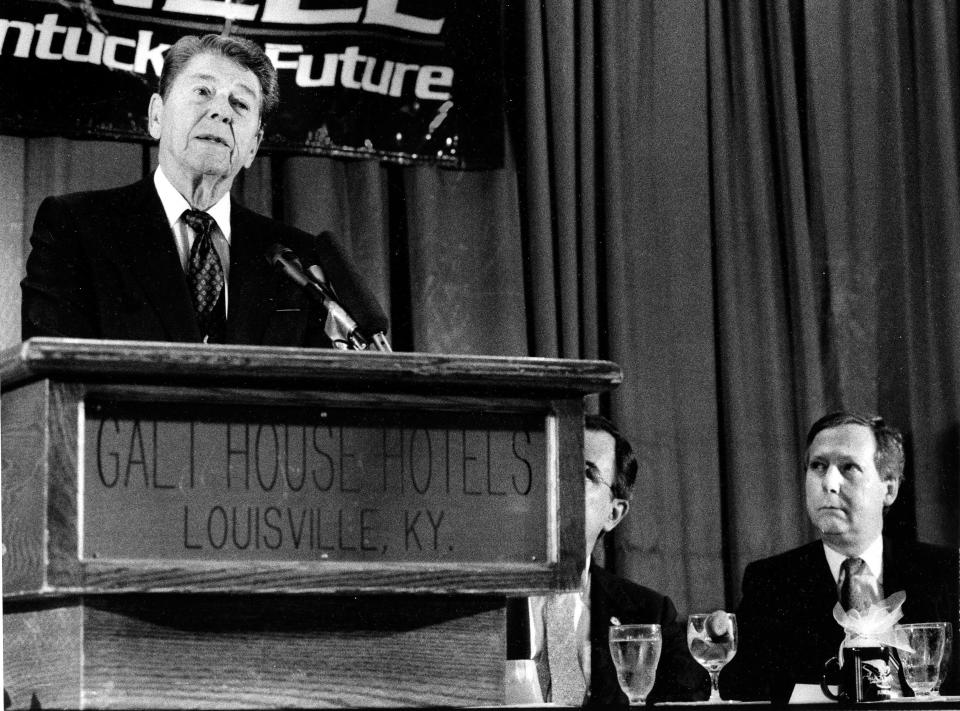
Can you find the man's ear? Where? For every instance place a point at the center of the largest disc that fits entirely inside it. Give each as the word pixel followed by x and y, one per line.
pixel 153 115
pixel 891 489
pixel 248 159
pixel 618 509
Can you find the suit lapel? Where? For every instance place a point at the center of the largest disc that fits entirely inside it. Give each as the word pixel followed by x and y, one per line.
pixel 606 597
pixel 251 281
pixel 814 583
pixel 824 580
pixel 146 248
pixel 900 572
pixel 603 604
pixel 893 573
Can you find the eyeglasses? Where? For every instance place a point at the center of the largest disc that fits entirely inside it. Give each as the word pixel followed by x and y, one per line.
pixel 592 474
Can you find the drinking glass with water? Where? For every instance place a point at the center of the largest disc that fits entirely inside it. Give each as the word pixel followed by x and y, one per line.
pixel 712 639
pixel 922 664
pixel 636 652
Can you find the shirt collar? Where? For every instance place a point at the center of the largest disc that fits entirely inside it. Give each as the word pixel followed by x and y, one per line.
pixel 872 556
pixel 174 204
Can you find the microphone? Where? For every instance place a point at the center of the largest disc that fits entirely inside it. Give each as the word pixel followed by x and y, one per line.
pixel 286 262
pixel 327 259
pixel 313 280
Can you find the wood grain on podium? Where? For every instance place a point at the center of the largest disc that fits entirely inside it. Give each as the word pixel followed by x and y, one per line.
pixel 23 447
pixel 212 651
pixel 173 362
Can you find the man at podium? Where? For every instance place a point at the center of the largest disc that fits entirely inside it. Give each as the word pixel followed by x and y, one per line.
pixel 173 257
pixel 569 631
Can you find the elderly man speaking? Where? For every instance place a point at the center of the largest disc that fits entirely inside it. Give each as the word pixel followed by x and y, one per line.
pixel 172 257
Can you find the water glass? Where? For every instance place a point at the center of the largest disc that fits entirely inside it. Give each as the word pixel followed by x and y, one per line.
pixel 636 652
pixel 921 666
pixel 947 656
pixel 712 639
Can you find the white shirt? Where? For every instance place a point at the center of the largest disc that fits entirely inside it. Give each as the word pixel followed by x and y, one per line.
pixel 872 556
pixel 580 622
pixel 173 206
pixel 536 609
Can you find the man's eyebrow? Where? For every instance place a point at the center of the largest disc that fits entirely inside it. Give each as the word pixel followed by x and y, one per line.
pixel 211 78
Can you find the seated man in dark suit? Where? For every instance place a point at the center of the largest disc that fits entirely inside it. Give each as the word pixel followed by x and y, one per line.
pixel 610 473
pixel 854 466
pixel 172 257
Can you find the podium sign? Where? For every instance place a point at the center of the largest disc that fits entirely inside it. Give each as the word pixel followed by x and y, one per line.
pixel 288 484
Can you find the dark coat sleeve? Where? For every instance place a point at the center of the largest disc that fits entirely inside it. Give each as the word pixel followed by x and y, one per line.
pixel 748 676
pixel 58 299
pixel 785 627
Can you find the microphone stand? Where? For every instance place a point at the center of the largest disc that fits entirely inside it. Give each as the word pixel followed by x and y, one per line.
pixel 380 342
pixel 346 334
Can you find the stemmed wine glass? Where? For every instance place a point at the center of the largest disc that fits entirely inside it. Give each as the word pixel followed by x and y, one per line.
pixel 712 638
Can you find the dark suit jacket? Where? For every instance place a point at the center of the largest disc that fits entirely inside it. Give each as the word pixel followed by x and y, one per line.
pixel 679 677
pixel 104 265
pixel 785 619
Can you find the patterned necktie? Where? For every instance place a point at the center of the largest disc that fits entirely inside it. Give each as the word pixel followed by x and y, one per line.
pixel 204 273
pixel 567 648
pixel 857 589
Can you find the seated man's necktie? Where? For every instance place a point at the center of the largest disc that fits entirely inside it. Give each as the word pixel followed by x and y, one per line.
pixel 858 585
pixel 205 275
pixel 568 650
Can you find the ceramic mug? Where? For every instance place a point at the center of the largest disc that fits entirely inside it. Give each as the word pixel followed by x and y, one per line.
pixel 866 675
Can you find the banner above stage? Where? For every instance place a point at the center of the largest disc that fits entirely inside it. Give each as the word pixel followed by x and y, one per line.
pixel 400 80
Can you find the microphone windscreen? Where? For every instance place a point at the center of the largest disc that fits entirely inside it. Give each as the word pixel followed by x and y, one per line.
pixel 283 259
pixel 349 285
pixel 274 253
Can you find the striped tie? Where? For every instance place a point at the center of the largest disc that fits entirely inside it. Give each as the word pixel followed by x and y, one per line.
pixel 857 588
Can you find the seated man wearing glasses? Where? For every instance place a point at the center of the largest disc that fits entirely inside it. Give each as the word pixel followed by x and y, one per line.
pixel 854 467
pixel 569 631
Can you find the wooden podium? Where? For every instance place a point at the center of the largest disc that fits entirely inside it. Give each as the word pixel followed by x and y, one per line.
pixel 225 526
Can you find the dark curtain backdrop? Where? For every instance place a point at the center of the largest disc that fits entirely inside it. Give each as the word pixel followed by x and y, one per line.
pixel 751 207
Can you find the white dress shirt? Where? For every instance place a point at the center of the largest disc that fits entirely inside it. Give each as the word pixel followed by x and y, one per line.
pixel 580 621
pixel 174 205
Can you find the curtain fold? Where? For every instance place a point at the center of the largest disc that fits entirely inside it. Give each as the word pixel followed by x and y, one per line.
pixel 933 282
pixel 660 312
pixel 466 269
pixel 349 200
pixel 757 177
pixel 12 250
